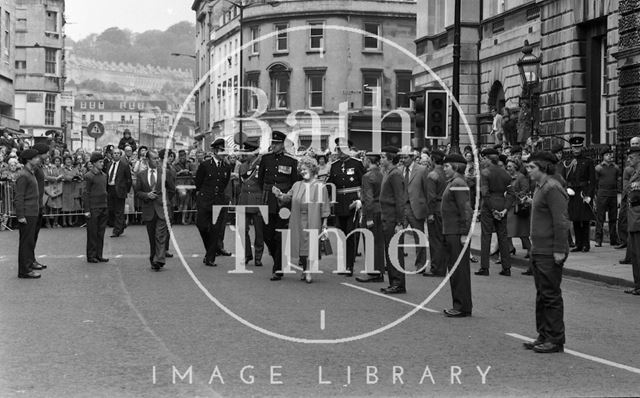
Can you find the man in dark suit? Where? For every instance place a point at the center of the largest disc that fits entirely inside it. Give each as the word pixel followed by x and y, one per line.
pixel 436 184
pixel 43 152
pixel 149 190
pixel 95 207
pixel 211 180
pixel 497 197
pixel 118 186
pixel 392 202
pixel 415 182
pixel 27 208
pixel 171 175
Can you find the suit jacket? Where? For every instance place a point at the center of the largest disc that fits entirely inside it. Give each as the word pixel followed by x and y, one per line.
pixel 392 197
pixel 371 185
pixel 122 178
pixel 495 188
pixel 150 207
pixel 417 191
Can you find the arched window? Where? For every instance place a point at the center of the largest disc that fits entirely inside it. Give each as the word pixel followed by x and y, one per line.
pixel 280 76
pixel 496 97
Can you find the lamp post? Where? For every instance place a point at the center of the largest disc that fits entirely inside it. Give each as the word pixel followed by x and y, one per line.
pixel 529 66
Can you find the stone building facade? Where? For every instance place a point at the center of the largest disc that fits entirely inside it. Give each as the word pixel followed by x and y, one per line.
pixel 39 65
pixel 7 60
pixel 628 63
pixel 576 41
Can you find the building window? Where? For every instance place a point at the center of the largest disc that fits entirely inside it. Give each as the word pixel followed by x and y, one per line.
pixel 7 35
pixel 101 105
pixel 255 33
pixel 436 15
pixel 92 117
pixel 252 80
pixel 371 82
pixel 315 89
pixel 83 105
pixel 50 110
pixel 92 105
pixel 123 105
pixel 51 22
pixel 84 118
pixel 372 43
pixel 403 88
pixel 316 35
pixel 282 39
pixel 280 77
pixel 51 62
pixel 21 64
pixel 102 118
pixel 122 119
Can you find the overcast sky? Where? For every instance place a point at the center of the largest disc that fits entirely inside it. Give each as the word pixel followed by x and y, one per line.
pixel 94 16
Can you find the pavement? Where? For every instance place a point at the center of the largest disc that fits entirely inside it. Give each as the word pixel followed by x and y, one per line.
pixel 600 264
pixel 118 329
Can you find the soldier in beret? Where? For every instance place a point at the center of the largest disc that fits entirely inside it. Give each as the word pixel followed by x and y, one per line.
pixel 27 207
pixel 277 172
pixel 581 184
pixel 456 210
pixel 96 208
pixel 211 179
pixel 346 174
pixel 607 174
pixel 549 250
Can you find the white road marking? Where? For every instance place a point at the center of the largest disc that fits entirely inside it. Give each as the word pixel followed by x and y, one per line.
pixel 321 319
pixel 194 255
pixel 42 256
pixel 391 298
pixel 80 256
pixel 119 256
pixel 584 356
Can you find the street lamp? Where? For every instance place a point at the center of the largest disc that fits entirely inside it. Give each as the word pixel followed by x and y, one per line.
pixel 529 66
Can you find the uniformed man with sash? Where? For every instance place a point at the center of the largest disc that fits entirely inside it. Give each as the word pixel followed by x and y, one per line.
pixel 581 185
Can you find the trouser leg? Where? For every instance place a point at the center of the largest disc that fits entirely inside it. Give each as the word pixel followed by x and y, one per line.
pixel 396 276
pixel 151 231
pixel 161 240
pixel 460 280
pixel 26 245
pixel 92 234
pixel 273 239
pixel 486 223
pixel 421 251
pixel 503 243
pixel 436 245
pixel 549 277
pixel 634 254
pixel 346 225
pixel 101 226
pixel 613 219
pixel 601 211
pixel 205 227
pixel 622 221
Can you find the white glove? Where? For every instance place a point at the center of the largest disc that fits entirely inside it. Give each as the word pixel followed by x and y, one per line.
pixel 571 192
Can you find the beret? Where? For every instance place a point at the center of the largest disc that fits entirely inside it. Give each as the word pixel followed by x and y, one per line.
pixel 390 149
pixel 543 156
pixel 251 143
pixel 29 154
pixel 489 151
pixel 454 158
pixel 42 148
pixel 606 149
pixel 503 158
pixel 95 156
pixel 278 136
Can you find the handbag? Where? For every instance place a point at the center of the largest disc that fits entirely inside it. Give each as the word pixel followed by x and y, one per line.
pixel 522 209
pixel 325 244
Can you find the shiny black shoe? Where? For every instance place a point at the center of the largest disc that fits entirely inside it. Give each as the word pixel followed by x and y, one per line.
pixel 432 274
pixel 451 313
pixel 527 272
pixel 258 264
pixel 223 252
pixel 370 279
pixel 621 246
pixel 36 267
pixel 576 249
pixel 156 267
pixel 210 263
pixel 393 290
pixel 40 264
pixel 275 277
pixel 505 272
pixel 30 275
pixel 93 260
pixel 547 348
pixel 530 344
pixel 586 249
pixel 625 261
pixel 634 292
pixel 102 259
pixel 168 255
pixel 482 272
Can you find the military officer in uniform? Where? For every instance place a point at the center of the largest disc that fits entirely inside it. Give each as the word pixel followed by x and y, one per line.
pixel 436 183
pixel 279 170
pixel 251 195
pixel 346 175
pixel 95 208
pixel 371 211
pixel 456 210
pixel 633 219
pixel 497 197
pixel 581 184
pixel 607 174
pixel 211 180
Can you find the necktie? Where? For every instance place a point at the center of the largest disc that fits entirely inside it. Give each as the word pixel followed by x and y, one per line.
pixel 112 172
pixel 406 177
pixel 153 179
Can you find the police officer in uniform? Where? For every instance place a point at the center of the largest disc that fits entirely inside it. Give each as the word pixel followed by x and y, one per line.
pixel 211 180
pixel 346 174
pixel 497 197
pixel 581 184
pixel 633 219
pixel 371 211
pixel 280 170
pixel 607 173
pixel 251 195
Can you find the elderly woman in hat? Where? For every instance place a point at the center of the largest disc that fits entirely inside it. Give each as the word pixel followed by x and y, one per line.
pixel 310 208
pixel 457 213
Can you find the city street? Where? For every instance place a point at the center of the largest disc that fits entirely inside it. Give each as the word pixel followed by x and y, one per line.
pixel 119 329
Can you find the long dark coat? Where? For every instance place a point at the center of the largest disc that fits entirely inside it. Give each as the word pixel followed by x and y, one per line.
pixel 581 177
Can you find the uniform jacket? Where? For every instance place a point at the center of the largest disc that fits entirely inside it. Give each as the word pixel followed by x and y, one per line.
pixel 633 200
pixel 549 224
pixel 371 185
pixel 607 179
pixel 279 170
pixel 148 206
pixel 436 183
pixel 95 191
pixel 122 178
pixel 211 181
pixel 344 174
pixel 456 208
pixel 27 197
pixel 495 188
pixel 417 191
pixel 251 190
pixel 581 177
pixel 392 197
pixel 38 172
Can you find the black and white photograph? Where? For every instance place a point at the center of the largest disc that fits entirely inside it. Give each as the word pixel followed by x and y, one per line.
pixel 313 198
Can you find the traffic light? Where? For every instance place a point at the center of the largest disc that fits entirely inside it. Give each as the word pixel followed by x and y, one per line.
pixel 418 108
pixel 436 115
